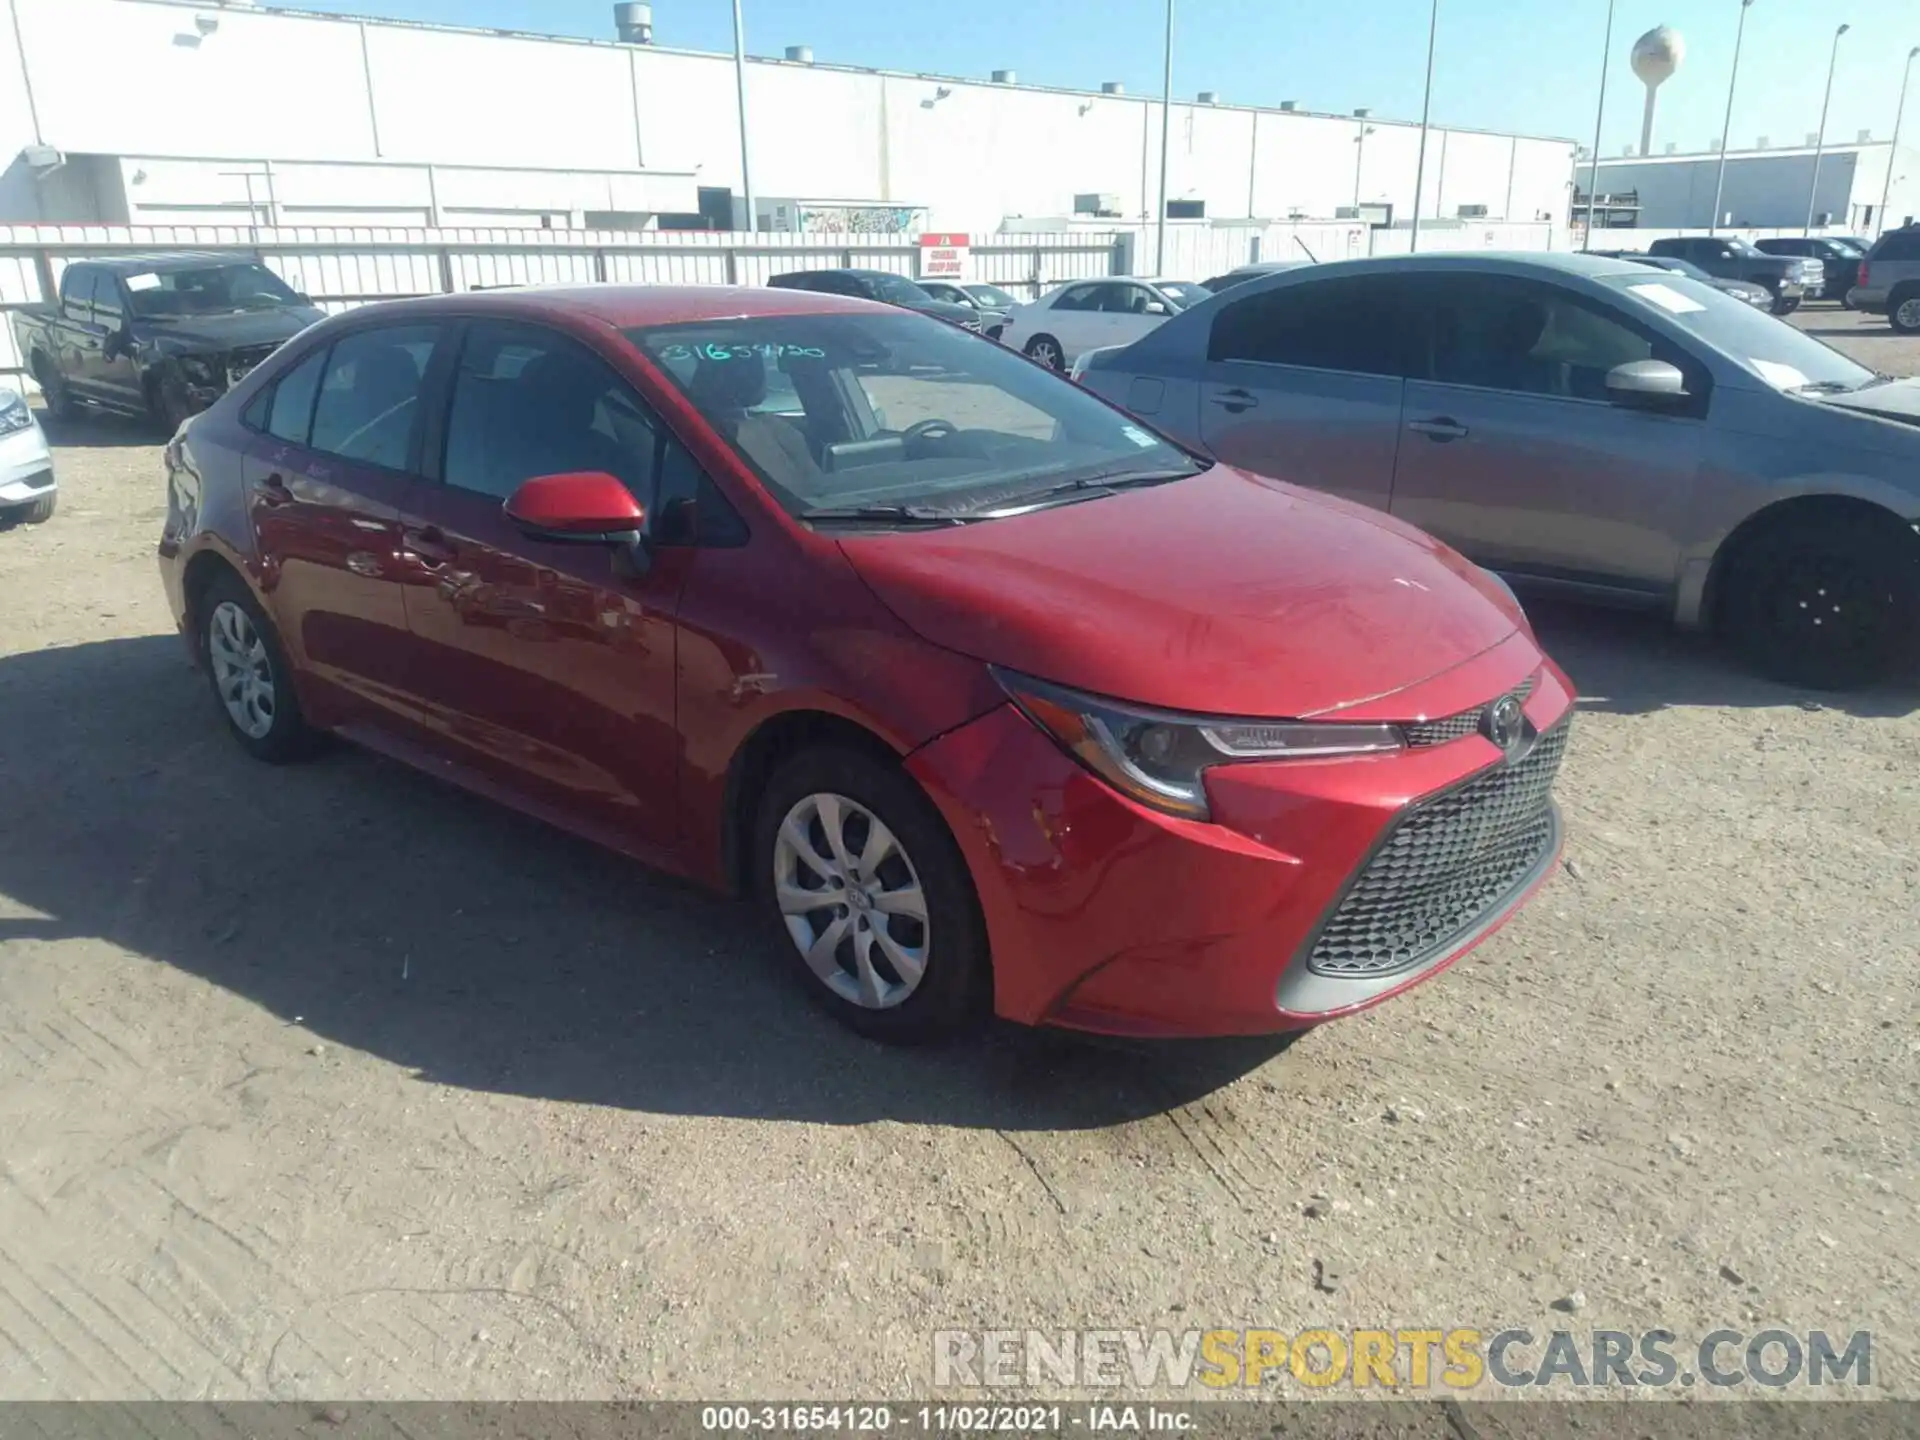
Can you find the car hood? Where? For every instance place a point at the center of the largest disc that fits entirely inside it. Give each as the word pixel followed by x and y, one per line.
pixel 947 310
pixel 1894 400
pixel 1228 593
pixel 241 327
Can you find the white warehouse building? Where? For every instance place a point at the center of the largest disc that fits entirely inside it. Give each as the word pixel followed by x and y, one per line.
pixel 150 112
pixel 1766 188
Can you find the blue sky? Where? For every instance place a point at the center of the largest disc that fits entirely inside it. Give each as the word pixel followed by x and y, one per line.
pixel 1539 75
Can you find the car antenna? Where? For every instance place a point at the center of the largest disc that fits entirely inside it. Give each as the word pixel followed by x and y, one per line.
pixel 1303 245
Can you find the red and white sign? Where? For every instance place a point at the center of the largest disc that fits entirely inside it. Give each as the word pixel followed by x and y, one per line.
pixel 943 257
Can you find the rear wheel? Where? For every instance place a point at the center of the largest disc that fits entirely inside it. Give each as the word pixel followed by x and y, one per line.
pixel 870 898
pixel 1903 311
pixel 1829 605
pixel 1046 350
pixel 250 675
pixel 53 388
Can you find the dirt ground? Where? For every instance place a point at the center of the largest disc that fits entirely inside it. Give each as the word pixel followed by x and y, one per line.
pixel 333 1082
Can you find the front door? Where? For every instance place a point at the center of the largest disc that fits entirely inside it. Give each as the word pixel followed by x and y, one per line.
pixel 549 668
pixel 1303 382
pixel 331 487
pixel 114 377
pixel 1514 454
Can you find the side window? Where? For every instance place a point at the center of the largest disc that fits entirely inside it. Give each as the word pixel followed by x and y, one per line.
pixel 369 398
pixel 1355 325
pixel 1532 339
pixel 1900 245
pixel 529 401
pixel 76 291
pixel 1125 299
pixel 1080 297
pixel 106 299
pixel 291 414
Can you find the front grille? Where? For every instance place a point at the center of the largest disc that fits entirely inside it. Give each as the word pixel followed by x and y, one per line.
pixel 1447 865
pixel 1458 727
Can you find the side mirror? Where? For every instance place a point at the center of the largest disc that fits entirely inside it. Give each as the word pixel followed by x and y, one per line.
pixel 1646 384
pixel 1154 307
pixel 586 507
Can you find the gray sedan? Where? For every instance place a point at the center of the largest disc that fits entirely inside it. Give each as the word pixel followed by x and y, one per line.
pixel 1576 424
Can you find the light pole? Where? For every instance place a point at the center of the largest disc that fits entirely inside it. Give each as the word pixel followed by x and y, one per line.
pixel 1820 140
pixel 1426 114
pixel 1899 114
pixel 1726 126
pixel 740 94
pixel 1166 132
pixel 1593 171
pixel 1359 159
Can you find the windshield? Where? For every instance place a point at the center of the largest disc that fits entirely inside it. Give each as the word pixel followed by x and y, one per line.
pixel 1183 293
pixel 1786 358
pixel 1743 247
pixel 214 290
pixel 896 290
pixel 855 411
pixel 1847 244
pixel 990 295
pixel 1679 267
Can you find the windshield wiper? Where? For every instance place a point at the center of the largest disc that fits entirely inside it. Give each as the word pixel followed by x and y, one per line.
pixel 1104 482
pixel 1825 387
pixel 884 514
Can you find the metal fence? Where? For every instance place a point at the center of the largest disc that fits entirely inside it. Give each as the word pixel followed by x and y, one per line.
pixel 341 268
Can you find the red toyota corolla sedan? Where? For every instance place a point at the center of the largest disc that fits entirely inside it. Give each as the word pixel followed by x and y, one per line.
pixel 990 698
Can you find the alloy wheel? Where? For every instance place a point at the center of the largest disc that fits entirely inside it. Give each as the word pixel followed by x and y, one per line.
pixel 1907 314
pixel 242 671
pixel 851 901
pixel 1046 353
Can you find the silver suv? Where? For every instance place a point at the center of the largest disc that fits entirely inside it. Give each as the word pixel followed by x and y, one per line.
pixel 1583 425
pixel 1890 279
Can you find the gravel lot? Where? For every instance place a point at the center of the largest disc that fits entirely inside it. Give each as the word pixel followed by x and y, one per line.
pixel 332 1081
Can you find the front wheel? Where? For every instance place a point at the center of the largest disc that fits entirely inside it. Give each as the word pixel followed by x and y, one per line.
pixel 870 898
pixel 172 405
pixel 1903 312
pixel 38 512
pixel 1784 307
pixel 61 405
pixel 1828 605
pixel 1046 350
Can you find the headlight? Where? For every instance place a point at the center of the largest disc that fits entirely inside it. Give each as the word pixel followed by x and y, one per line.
pixel 1160 758
pixel 14 414
pixel 201 369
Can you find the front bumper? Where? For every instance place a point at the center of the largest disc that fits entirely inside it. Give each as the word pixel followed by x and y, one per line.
pixel 26 467
pixel 1109 917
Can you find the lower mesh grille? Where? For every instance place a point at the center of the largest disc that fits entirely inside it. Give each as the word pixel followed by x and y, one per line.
pixel 1447 866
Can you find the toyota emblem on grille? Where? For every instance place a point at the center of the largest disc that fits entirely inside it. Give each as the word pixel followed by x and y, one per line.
pixel 1504 723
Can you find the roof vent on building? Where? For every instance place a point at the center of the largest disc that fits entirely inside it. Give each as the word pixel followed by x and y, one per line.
pixel 800 54
pixel 1626 150
pixel 1673 147
pixel 1762 142
pixel 1208 97
pixel 1006 77
pixel 1813 137
pixel 1289 105
pixel 1363 113
pixel 1866 138
pixel 633 23
pixel 1112 87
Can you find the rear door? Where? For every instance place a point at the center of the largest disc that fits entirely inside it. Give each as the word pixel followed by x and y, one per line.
pixel 75 335
pixel 1514 454
pixel 549 668
pixel 1077 318
pixel 334 484
pixel 1303 382
pixel 1129 311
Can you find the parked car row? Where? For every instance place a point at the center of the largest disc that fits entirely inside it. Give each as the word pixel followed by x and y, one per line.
pixel 990 696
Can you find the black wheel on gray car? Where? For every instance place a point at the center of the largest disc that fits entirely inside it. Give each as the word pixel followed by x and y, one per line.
pixel 1046 350
pixel 249 673
pixel 172 405
pixel 1784 307
pixel 38 512
pixel 53 388
pixel 1903 311
pixel 869 896
pixel 1829 605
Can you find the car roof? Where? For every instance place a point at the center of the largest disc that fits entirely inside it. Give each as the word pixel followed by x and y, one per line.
pixel 623 306
pixel 1485 262
pixel 163 261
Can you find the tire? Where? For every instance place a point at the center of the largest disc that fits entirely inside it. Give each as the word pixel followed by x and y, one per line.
pixel 37 512
pixel 61 405
pixel 794 857
pixel 1828 605
pixel 230 622
pixel 1784 307
pixel 172 406
pixel 1045 350
pixel 1903 311
pixel 1847 302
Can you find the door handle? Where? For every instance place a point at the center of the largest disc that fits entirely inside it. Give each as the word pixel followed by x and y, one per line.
pixel 428 544
pixel 1235 400
pixel 1441 428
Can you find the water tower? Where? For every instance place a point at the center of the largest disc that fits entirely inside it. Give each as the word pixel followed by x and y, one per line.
pixel 1656 55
